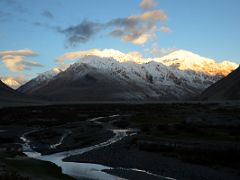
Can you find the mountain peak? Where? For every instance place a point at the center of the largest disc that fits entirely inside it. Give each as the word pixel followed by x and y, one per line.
pixel 10 81
pixel 183 53
pixel 186 60
pixel 186 56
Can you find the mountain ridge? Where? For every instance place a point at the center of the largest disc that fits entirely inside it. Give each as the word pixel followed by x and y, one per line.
pixel 152 80
pixel 185 60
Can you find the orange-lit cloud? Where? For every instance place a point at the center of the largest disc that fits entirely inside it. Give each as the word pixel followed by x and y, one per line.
pixel 23 52
pixel 138 29
pixel 16 60
pixel 156 15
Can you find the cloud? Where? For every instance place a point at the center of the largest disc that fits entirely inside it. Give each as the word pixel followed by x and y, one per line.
pixel 165 29
pixel 47 14
pixel 23 52
pixel 138 29
pixel 80 33
pixel 148 4
pixel 29 64
pixel 16 61
pixel 157 51
pixel 157 15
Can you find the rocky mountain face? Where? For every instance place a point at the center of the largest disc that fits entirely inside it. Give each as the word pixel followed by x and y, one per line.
pixel 40 80
pixel 227 88
pixel 112 76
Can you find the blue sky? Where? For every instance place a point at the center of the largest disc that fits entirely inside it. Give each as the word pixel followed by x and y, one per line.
pixel 208 28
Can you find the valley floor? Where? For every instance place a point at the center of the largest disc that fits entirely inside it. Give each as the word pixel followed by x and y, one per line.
pixel 177 140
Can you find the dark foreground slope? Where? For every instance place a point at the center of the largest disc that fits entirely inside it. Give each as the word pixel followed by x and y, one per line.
pixel 226 89
pixel 10 97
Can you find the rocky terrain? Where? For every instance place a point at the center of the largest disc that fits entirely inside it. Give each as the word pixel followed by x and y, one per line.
pixel 110 75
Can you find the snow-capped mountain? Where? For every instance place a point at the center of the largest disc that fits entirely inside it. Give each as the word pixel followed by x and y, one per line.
pixel 11 82
pixel 185 60
pixel 41 80
pixel 106 76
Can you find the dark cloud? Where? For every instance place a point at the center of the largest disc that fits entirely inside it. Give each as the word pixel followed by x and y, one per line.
pixel 123 22
pixel 47 14
pixel 81 33
pixel 40 24
pixel 77 34
pixel 117 32
pixel 32 64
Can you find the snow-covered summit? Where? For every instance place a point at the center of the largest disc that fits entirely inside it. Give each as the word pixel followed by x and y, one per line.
pixel 11 82
pixel 182 54
pixel 181 59
pixel 105 53
pixel 186 60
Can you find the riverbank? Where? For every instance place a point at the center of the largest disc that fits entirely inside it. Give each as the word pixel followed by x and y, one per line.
pixel 123 154
pixel 19 167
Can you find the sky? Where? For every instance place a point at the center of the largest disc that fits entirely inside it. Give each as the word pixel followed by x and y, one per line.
pixel 34 34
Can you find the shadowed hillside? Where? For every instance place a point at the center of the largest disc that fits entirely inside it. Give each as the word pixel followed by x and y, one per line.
pixel 226 89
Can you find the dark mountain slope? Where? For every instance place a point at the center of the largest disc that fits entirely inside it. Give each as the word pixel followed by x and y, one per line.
pixel 227 88
pixel 10 97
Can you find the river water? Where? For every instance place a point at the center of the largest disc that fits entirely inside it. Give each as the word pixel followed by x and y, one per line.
pixel 81 170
